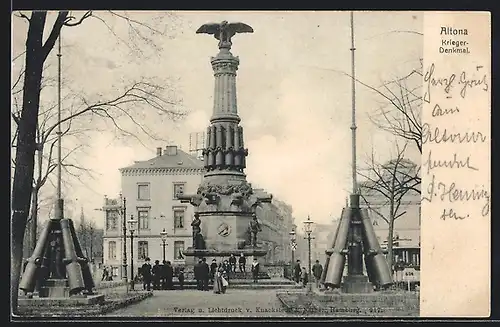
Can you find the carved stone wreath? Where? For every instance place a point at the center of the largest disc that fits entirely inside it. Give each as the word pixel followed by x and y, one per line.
pixel 244 189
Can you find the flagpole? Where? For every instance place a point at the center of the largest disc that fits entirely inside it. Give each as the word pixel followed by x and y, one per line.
pixel 60 203
pixel 353 126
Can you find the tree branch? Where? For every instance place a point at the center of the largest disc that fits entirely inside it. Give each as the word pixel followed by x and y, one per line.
pixel 69 19
pixel 21 15
pixel 54 33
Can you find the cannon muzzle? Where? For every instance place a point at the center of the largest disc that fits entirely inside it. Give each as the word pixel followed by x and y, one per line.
pixel 376 264
pixel 73 268
pixel 31 272
pixel 329 252
pixel 336 263
pixel 84 264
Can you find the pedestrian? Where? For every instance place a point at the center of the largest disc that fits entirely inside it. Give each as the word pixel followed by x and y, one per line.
pixel 156 270
pixel 180 277
pixel 242 262
pixel 213 270
pixel 146 275
pixel 304 277
pixel 169 275
pixel 163 276
pixel 232 263
pixel 224 280
pixel 227 268
pixel 205 273
pixel 197 275
pixel 255 270
pixel 317 270
pixel 218 288
pixel 297 271
pixel 104 274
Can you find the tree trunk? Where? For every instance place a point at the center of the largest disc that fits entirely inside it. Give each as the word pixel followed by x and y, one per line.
pixel 27 238
pixel 390 237
pixel 34 220
pixel 25 150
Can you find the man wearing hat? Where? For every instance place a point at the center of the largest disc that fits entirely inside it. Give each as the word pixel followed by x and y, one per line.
pixel 146 275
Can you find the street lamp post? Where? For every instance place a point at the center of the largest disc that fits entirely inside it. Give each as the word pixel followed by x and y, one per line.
pixel 131 226
pixel 308 229
pixel 123 202
pixel 163 235
pixel 292 244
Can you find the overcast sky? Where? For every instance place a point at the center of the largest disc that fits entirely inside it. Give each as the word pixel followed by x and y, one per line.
pixel 294 103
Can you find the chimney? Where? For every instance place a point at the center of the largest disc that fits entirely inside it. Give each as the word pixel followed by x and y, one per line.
pixel 158 152
pixel 171 150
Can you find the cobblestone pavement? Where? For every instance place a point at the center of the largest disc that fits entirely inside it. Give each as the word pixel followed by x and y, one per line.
pixel 193 303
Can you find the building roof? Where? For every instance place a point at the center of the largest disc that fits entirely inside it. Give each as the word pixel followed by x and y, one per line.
pixel 169 159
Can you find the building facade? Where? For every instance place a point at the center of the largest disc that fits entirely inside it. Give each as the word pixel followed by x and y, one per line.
pixel 150 188
pixel 276 220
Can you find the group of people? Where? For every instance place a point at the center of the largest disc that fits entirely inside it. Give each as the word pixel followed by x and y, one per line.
pixel 160 275
pixel 300 274
pixel 242 262
pixel 220 273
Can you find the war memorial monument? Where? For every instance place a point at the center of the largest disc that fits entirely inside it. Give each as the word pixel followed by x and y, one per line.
pixel 225 220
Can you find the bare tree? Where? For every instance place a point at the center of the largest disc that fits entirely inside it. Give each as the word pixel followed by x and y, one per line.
pixel 86 231
pixel 45 157
pixel 385 186
pixel 401 114
pixel 400 109
pixel 142 94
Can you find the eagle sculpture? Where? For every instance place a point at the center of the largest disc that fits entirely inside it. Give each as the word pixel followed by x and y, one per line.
pixel 224 31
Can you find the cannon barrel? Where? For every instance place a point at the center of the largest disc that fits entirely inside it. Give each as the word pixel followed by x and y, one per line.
pixel 336 263
pixel 329 252
pixel 265 199
pixel 73 268
pixel 30 274
pixel 84 263
pixel 185 198
pixel 375 261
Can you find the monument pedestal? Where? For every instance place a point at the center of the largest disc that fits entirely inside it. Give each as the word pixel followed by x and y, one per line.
pixel 356 284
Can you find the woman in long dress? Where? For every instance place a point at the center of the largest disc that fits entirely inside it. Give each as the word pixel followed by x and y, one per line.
pixel 225 279
pixel 218 288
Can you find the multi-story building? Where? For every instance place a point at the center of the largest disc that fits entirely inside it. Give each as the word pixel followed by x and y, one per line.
pixel 150 188
pixel 276 219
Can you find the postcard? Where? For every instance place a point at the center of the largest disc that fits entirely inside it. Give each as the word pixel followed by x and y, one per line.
pixel 236 164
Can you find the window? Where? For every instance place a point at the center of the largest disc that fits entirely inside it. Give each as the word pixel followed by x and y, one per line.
pixel 114 271
pixel 143 219
pixel 178 189
pixel 111 220
pixel 178 249
pixel 143 192
pixel 112 250
pixel 178 219
pixel 142 248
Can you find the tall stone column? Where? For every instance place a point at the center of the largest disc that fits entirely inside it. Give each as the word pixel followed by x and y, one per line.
pixel 225 150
